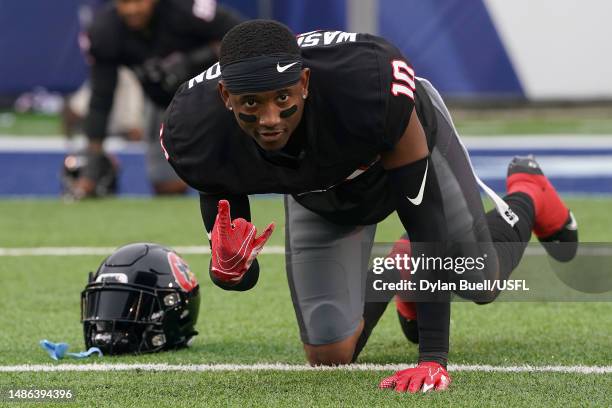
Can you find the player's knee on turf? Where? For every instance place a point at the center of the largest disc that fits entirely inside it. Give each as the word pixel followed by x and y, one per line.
pixel 340 352
pixel 331 335
pixel 329 354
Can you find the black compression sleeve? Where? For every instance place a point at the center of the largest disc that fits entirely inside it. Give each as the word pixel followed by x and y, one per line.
pixel 239 208
pixel 420 209
pixel 419 201
pixel 434 331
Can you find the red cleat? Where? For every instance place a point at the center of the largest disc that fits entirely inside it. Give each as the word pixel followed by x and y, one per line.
pixel 554 224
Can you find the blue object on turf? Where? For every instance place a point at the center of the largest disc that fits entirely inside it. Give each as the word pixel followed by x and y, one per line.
pixel 57 351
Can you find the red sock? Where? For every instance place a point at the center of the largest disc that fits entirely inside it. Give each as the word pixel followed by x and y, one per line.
pixel 526 184
pixel 550 212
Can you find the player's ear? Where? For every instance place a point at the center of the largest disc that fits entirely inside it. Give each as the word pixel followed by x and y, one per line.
pixel 304 79
pixel 224 93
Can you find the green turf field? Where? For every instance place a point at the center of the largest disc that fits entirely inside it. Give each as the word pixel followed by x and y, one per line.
pixel 40 299
pixel 471 122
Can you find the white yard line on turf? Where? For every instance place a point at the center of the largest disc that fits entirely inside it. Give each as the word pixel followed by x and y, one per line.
pixel 12 143
pixel 194 250
pixel 293 367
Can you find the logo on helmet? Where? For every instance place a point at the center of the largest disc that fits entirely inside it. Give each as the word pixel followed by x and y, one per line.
pixel 182 274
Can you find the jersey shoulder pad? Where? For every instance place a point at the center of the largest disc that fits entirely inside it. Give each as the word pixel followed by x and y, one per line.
pixel 195 130
pixel 105 34
pixel 364 82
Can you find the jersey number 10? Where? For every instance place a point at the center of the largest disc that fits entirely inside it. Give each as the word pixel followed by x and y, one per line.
pixel 404 75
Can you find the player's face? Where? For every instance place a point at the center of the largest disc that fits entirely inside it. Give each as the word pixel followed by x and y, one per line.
pixel 269 117
pixel 135 13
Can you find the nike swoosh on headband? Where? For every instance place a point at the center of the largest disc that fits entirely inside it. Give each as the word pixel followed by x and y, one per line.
pixel 283 68
pixel 417 200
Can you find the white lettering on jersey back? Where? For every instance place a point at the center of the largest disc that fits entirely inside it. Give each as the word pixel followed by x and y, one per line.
pixel 328 37
pixel 313 39
pixel 346 37
pixel 211 73
pixel 309 40
pixel 196 80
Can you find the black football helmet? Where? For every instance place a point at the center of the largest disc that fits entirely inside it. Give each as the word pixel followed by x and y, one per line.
pixel 143 298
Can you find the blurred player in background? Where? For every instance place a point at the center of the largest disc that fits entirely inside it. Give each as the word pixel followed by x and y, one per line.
pixel 164 42
pixel 340 124
pixel 126 116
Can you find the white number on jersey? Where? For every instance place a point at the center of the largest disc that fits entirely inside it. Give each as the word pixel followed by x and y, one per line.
pixel 404 75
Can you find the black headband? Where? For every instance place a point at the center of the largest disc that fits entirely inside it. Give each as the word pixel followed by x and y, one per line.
pixel 263 73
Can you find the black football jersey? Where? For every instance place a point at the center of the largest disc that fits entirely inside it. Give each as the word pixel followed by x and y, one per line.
pixel 362 92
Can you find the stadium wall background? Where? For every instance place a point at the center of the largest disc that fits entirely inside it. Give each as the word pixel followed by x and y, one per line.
pixel 471 49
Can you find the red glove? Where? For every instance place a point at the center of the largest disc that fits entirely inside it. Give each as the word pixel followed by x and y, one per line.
pixel 426 376
pixel 234 245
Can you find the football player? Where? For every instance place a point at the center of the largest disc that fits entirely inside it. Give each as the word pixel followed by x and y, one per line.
pixel 339 124
pixel 164 42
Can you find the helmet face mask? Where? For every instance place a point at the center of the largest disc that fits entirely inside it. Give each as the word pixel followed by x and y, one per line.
pixel 140 301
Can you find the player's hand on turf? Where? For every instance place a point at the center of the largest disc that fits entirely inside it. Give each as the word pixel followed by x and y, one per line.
pixel 425 377
pixel 95 172
pixel 234 244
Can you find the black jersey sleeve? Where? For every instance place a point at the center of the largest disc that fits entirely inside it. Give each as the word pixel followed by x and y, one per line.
pixel 198 136
pixel 103 81
pixel 103 55
pixel 397 91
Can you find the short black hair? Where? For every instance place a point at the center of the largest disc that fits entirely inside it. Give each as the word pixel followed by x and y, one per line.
pixel 255 38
